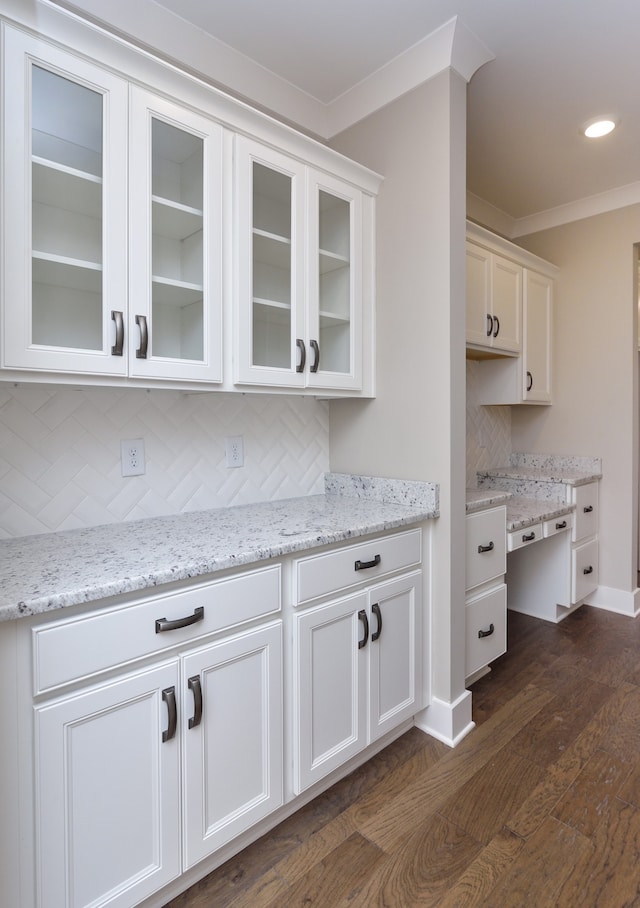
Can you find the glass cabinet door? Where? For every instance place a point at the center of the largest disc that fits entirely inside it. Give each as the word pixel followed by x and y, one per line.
pixel 65 299
pixel 334 284
pixel 175 322
pixel 269 269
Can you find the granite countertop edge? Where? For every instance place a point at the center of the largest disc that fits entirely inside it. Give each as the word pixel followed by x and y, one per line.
pixel 46 572
pixel 524 512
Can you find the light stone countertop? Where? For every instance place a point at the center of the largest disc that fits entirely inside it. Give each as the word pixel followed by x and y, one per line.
pixel 534 474
pixel 481 499
pixel 50 571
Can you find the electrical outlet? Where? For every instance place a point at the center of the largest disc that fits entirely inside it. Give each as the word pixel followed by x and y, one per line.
pixel 234 449
pixel 132 457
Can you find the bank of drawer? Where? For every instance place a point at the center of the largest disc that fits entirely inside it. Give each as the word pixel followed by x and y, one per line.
pixel 584 570
pixel 66 650
pixel 486 629
pixel 486 539
pixel 322 575
pixel 585 499
pixel 519 538
pixel 557 525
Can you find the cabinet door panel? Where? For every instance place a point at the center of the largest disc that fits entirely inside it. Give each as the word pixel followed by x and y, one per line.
pixel 176 240
pixel 65 249
pixel 507 304
pixel 233 756
pixel 330 722
pixel 107 794
pixel 395 679
pixel 478 295
pixel 536 360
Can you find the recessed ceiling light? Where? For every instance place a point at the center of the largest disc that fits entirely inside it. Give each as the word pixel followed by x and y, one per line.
pixel 601 126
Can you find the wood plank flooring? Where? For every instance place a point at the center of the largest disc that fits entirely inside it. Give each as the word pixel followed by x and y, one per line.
pixel 539 806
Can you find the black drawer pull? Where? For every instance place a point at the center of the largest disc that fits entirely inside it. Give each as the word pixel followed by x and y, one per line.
pixel 196 689
pixel 488 633
pixel 561 526
pixel 169 697
pixel 485 548
pixel 528 537
pixel 163 624
pixel 588 509
pixel 362 616
pixel 375 608
pixel 363 565
pixel 489 325
pixel 588 570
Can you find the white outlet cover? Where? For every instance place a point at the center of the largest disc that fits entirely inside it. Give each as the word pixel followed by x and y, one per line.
pixel 132 457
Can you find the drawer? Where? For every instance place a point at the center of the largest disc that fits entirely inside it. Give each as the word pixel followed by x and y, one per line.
pixel 584 570
pixel 557 525
pixel 585 499
pixel 330 572
pixel 486 540
pixel 66 650
pixel 486 629
pixel 519 538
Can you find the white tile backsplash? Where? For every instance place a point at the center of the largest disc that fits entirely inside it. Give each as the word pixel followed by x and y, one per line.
pixel 488 431
pixel 60 453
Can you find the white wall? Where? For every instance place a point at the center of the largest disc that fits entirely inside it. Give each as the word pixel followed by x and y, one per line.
pixel 415 428
pixel 60 453
pixel 595 373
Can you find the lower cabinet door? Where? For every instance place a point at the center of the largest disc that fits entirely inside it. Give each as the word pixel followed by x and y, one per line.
pixel 107 789
pixel 233 738
pixel 395 688
pixel 330 696
pixel 584 570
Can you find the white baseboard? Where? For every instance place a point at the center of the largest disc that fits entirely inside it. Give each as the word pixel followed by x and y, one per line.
pixel 448 722
pixel 613 600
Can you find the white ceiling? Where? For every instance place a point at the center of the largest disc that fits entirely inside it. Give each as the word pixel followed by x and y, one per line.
pixel 557 64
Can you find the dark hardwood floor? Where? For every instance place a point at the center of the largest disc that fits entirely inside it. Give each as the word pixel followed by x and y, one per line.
pixel 539 806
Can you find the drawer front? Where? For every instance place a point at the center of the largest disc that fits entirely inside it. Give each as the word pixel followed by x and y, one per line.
pixel 584 570
pixel 519 538
pixel 65 651
pixel 486 629
pixel 330 572
pixel 557 525
pixel 585 499
pixel 486 538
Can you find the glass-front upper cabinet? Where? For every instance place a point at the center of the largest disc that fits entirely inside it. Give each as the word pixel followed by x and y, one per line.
pixel 64 183
pixel 335 292
pixel 297 274
pixel 175 323
pixel 270 341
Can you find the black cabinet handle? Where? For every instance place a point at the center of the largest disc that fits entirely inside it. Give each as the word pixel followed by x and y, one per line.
pixel 489 325
pixel 561 526
pixel 316 356
pixel 529 380
pixel 496 325
pixel 485 548
pixel 528 537
pixel 162 624
pixel 375 608
pixel 488 633
pixel 364 565
pixel 141 322
pixel 169 697
pixel 303 355
pixel 588 509
pixel 362 616
pixel 196 689
pixel 588 570
pixel 116 350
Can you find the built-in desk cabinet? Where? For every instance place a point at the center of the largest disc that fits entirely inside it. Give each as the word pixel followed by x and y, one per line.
pixel 486 591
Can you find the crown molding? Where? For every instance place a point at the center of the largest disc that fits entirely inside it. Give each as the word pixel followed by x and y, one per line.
pixel 620 197
pixel 452 46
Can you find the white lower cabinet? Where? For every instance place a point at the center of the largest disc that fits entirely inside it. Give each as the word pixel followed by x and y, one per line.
pixel 486 592
pixel 357 671
pixel 141 776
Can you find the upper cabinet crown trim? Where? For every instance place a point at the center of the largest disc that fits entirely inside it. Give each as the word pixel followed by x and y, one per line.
pixel 495 243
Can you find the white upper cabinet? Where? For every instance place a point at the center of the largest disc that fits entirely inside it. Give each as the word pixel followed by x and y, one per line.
pixel 65 237
pixel 176 254
pixel 538 314
pixel 298 271
pixel 494 301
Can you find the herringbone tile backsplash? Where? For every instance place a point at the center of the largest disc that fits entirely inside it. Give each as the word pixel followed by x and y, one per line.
pixel 488 432
pixel 60 453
